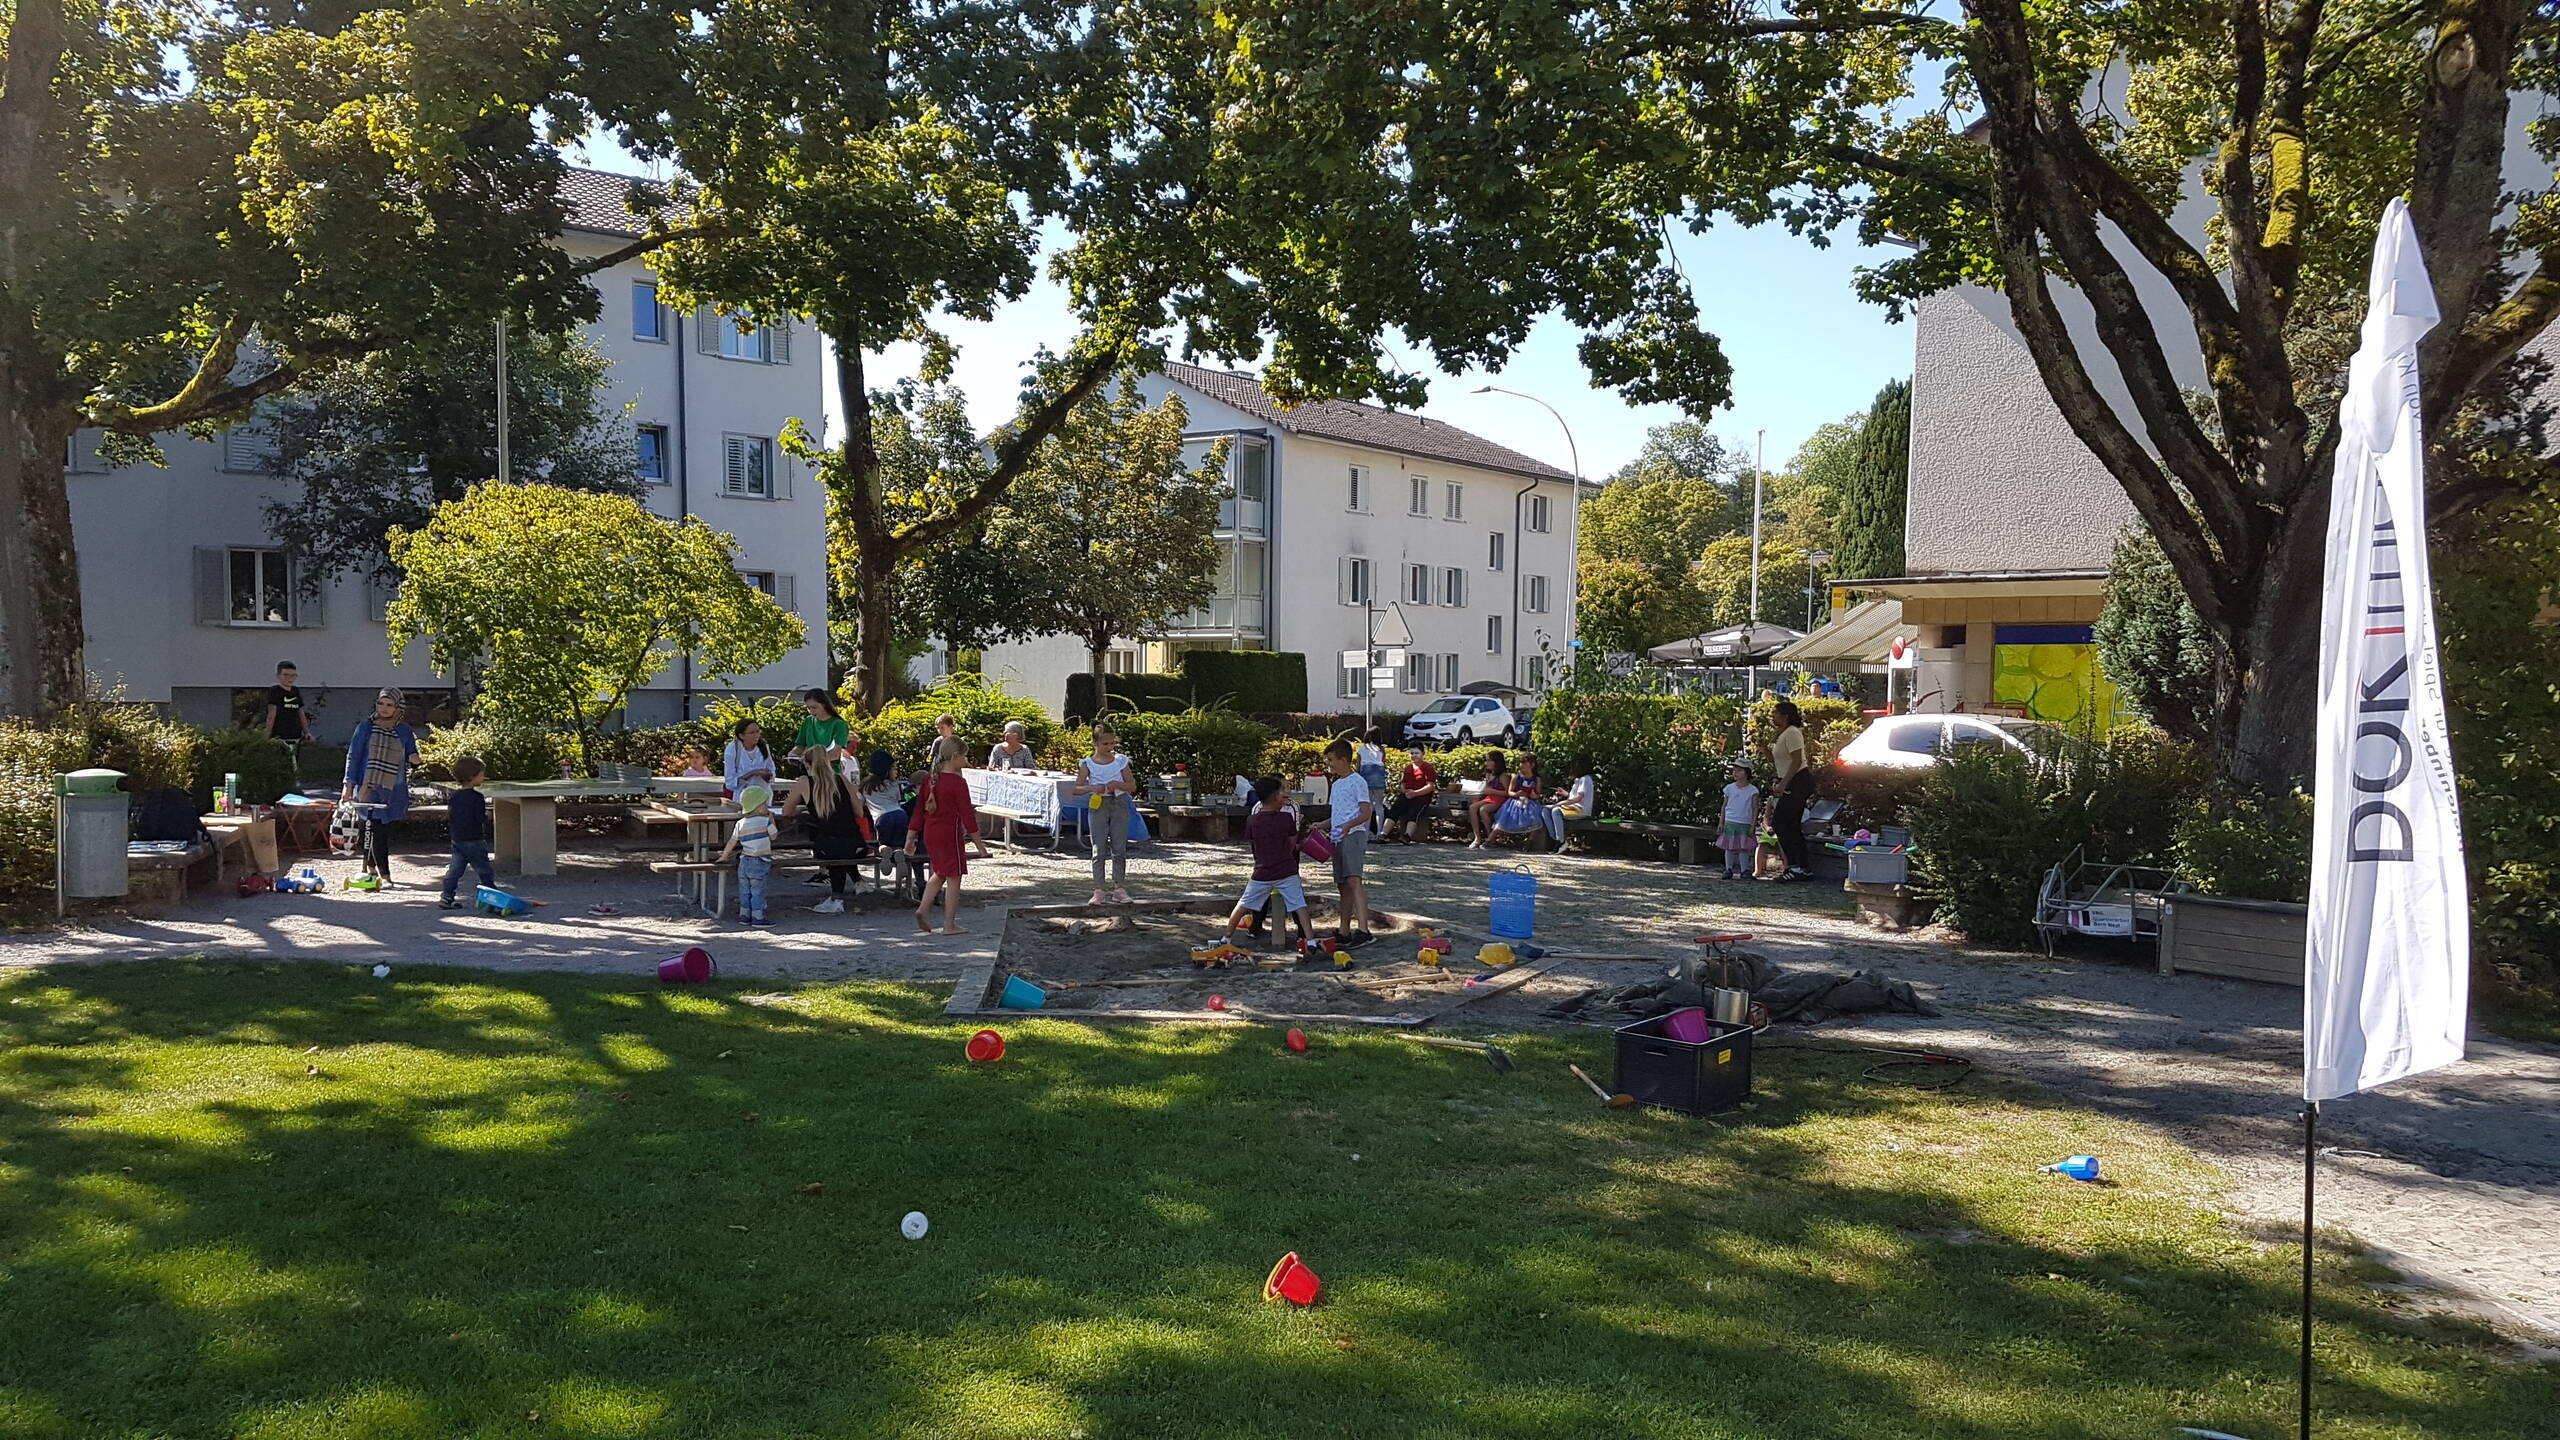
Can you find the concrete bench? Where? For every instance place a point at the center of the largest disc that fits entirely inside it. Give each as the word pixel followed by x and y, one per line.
pixel 1011 818
pixel 1691 842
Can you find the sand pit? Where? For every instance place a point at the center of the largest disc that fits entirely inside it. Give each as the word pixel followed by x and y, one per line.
pixel 1134 962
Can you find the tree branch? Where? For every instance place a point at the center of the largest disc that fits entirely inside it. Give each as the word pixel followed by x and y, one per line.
pixel 2319 73
pixel 1023 442
pixel 2490 342
pixel 1936 177
pixel 643 246
pixel 1833 24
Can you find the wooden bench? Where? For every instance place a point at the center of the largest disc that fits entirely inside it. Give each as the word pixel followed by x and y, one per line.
pixel 647 822
pixel 162 872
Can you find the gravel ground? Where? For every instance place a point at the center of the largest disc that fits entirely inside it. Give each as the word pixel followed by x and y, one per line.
pixel 2452 1177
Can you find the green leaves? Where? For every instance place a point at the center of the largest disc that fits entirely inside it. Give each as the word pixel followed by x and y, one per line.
pixel 570 600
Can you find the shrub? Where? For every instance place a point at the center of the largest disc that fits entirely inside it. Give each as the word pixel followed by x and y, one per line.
pixel 2147 783
pixel 511 751
pixel 1246 680
pixel 1661 758
pixel 1321 724
pixel 1466 762
pixel 1828 725
pixel 978 707
pixel 265 766
pixel 2245 846
pixel 1128 692
pixel 102 729
pixel 1292 757
pixel 1213 746
pixel 1986 828
pixel 659 747
pixel 1065 746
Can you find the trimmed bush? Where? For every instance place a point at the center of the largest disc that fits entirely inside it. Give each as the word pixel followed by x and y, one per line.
pixel 511 751
pixel 153 751
pixel 1246 680
pixel 1160 693
pixel 1658 758
pixel 264 766
pixel 1212 746
pixel 1987 827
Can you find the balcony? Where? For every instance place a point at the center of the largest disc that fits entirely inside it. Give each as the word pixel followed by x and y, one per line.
pixel 1241 615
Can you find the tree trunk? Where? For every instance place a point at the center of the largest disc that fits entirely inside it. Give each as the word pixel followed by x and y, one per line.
pixel 41 636
pixel 2267 716
pixel 1096 647
pixel 873 620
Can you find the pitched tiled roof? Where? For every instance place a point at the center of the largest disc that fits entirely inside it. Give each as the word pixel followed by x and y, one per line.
pixel 1356 424
pixel 599 200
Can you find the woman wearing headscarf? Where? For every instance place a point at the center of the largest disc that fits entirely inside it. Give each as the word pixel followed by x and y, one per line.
pixel 379 757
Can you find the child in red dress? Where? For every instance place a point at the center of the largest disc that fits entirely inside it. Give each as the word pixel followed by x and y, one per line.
pixel 946 820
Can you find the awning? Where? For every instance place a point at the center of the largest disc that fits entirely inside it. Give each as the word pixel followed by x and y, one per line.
pixel 1732 643
pixel 1863 634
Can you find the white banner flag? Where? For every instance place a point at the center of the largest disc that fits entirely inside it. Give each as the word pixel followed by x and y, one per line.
pixel 2390 963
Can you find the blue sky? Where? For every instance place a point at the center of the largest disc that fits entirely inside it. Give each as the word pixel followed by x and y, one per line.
pixel 1804 349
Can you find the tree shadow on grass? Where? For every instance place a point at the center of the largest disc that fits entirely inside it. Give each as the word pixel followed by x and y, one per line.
pixel 580 1200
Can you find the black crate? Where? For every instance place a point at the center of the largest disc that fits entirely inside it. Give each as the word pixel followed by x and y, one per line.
pixel 1677 1075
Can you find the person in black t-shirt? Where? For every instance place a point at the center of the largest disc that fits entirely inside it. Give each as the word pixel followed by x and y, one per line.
pixel 284 707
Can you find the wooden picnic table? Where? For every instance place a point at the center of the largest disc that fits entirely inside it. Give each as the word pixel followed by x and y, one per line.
pixel 524 815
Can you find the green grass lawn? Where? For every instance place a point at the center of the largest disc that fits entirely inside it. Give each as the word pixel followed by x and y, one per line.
pixel 560 1205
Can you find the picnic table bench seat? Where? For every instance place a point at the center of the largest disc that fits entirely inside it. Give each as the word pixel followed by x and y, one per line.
pixel 1011 816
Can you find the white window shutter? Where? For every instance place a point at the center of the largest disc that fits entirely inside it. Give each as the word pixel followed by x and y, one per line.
pixel 1342 566
pixel 706 329
pixel 786 593
pixel 777 472
pixel 247 449
pixel 213 585
pixel 733 479
pixel 1359 481
pixel 777 343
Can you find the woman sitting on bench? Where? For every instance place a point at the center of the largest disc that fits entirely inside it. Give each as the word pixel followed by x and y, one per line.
pixel 839 833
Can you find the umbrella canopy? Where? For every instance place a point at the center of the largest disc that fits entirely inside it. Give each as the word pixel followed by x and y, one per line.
pixel 1731 644
pixel 1863 635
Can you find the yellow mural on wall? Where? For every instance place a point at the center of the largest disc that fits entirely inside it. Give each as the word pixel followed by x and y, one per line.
pixel 2059 684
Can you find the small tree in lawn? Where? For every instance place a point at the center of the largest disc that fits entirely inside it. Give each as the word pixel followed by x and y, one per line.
pixel 1115 529
pixel 570 600
pixel 377 444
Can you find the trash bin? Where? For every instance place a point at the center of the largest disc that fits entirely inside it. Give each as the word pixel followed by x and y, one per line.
pixel 90 830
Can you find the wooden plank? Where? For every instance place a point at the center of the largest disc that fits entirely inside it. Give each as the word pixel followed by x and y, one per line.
pixel 2266 907
pixel 1512 979
pixel 2246 930
pixel 2240 965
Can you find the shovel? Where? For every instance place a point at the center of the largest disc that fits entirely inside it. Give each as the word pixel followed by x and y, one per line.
pixel 1614 1102
pixel 1493 1054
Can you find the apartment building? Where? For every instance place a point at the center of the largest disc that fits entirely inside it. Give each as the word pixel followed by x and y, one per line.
pixel 1340 517
pixel 189 601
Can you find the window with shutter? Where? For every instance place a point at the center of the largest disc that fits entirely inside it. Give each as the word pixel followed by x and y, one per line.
pixel 1493 551
pixel 1417 584
pixel 248 448
pixel 707 329
pixel 777 343
pixel 1359 491
pixel 1419 502
pixel 1453 586
pixel 379 592
pixel 1455 496
pixel 1449 672
pixel 1493 634
pixel 1537 594
pixel 747 467
pixel 213 585
pixel 1355 581
pixel 786 593
pixel 309 612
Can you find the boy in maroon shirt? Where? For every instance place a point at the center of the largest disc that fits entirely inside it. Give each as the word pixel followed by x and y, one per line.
pixel 1272 834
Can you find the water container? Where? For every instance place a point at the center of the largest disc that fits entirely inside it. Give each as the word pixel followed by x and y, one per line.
pixel 1514 897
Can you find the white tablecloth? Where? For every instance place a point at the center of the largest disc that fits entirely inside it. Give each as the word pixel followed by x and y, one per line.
pixel 1037 791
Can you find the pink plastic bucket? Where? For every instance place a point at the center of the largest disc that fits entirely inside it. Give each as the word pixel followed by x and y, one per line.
pixel 1316 845
pixel 1687 1026
pixel 690 968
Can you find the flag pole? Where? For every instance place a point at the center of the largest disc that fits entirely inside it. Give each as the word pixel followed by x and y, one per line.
pixel 2310 1131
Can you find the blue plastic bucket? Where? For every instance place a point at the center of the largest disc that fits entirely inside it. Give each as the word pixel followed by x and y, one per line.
pixel 1514 897
pixel 1021 994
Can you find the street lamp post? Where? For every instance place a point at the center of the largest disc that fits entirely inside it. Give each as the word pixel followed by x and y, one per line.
pixel 1812 569
pixel 1573 519
pixel 1751 619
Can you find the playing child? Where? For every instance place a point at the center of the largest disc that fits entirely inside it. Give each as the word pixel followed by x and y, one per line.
pixel 752 843
pixel 1272 834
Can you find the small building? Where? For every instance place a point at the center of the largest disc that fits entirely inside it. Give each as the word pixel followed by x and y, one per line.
pixel 1339 515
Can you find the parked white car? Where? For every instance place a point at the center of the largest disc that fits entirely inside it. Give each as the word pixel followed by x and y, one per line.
pixel 1463 720
pixel 1912 742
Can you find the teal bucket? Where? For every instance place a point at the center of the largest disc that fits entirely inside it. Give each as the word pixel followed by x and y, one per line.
pixel 1514 897
pixel 1021 994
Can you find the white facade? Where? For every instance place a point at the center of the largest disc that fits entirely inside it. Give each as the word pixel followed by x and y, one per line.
pixel 1320 530
pixel 161 550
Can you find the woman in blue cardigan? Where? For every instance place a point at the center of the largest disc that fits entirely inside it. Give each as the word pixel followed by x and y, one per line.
pixel 379 756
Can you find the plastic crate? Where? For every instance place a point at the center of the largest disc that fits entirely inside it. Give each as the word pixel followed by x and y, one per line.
pixel 1695 1079
pixel 1880 867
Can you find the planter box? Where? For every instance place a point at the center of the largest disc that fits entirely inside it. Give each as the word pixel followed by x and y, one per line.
pixel 1889 907
pixel 2244 939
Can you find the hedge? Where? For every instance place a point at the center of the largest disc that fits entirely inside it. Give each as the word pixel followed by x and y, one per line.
pixel 100 731
pixel 1247 680
pixel 1658 758
pixel 1127 692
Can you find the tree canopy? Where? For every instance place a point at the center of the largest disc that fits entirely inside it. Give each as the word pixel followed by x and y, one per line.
pixel 567 600
pixel 201 206
pixel 377 444
pixel 1630 608
pixel 2049 151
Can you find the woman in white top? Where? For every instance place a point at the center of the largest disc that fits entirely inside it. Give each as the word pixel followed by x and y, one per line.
pixel 1104 783
pixel 1793 772
pixel 745 755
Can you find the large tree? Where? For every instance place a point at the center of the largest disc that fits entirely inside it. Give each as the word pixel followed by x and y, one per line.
pixel 2060 162
pixel 374 445
pixel 1115 530
pixel 201 206
pixel 897 171
pixel 1630 608
pixel 1662 507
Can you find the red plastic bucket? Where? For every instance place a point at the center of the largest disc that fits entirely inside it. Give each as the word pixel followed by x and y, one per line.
pixel 690 968
pixel 1292 1281
pixel 1316 845
pixel 986 1045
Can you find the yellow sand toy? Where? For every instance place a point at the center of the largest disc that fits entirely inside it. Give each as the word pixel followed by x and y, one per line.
pixel 1435 948
pixel 1219 956
pixel 1496 955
